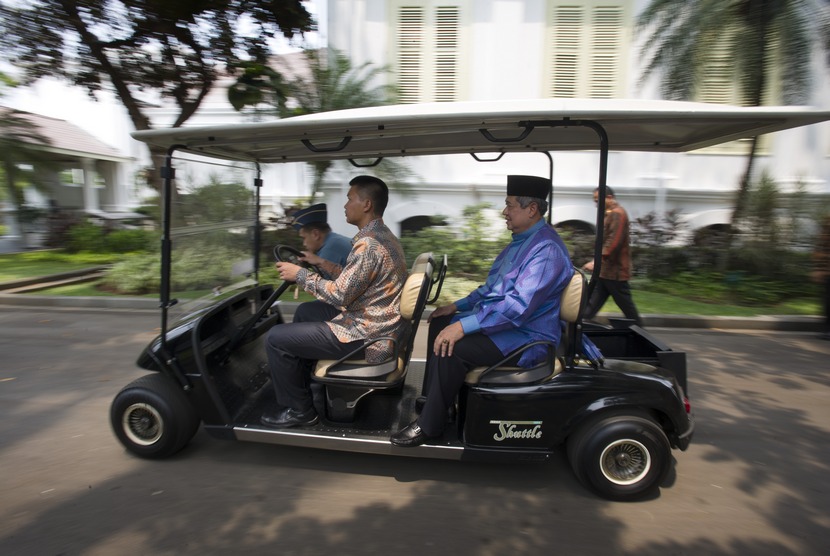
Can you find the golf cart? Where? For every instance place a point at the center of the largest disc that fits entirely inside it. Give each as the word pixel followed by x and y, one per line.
pixel 618 414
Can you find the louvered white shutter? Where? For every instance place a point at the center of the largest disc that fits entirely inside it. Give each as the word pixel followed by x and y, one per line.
pixel 427 39
pixel 588 45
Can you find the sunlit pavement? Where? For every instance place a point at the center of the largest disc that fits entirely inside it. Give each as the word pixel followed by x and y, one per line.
pixel 754 481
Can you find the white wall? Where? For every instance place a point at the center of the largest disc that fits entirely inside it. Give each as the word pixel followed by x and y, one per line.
pixel 506 54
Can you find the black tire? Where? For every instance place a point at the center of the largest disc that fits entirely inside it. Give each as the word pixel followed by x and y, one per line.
pixel 152 417
pixel 621 457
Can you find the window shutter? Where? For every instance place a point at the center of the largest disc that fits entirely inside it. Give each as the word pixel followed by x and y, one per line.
pixel 410 50
pixel 587 44
pixel 605 54
pixel 428 51
pixel 446 53
pixel 716 85
pixel 567 47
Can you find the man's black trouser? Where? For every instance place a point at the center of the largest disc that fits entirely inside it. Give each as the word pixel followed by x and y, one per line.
pixel 294 348
pixel 445 375
pixel 620 291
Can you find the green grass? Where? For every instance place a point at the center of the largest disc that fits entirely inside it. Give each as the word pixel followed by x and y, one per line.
pixel 666 304
pixel 40 263
pixel 14 266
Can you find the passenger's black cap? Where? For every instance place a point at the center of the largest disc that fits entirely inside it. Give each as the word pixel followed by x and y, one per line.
pixel 528 186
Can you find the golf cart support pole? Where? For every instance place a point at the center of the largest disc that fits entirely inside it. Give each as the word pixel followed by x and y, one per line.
pixel 257 223
pixel 168 174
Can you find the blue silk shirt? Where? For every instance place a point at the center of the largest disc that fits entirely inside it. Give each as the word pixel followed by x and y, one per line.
pixel 519 303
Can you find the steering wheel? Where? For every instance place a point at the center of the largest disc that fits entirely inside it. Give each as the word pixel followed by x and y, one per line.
pixel 288 254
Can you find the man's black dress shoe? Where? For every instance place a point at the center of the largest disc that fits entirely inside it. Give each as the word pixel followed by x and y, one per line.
pixel 290 418
pixel 410 436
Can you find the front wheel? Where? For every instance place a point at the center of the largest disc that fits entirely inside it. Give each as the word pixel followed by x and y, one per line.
pixel 621 457
pixel 152 417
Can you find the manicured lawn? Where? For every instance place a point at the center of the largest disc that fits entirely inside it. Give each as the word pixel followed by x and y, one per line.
pixel 14 266
pixel 665 304
pixel 39 263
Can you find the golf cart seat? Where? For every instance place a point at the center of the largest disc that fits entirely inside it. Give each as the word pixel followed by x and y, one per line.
pixel 507 373
pixel 438 273
pixel 350 378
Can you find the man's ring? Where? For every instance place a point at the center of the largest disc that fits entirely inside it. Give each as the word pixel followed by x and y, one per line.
pixel 445 342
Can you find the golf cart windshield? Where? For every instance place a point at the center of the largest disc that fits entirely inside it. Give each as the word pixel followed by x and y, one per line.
pixel 212 230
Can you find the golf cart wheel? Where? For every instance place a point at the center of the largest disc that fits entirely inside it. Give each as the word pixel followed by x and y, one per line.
pixel 621 457
pixel 152 417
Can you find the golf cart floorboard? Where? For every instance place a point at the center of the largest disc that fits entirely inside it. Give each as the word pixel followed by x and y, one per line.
pixel 379 415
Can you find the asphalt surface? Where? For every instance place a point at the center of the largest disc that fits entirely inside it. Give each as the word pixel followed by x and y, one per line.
pixel 754 481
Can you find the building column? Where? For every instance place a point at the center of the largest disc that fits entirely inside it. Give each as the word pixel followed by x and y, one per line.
pixel 91 204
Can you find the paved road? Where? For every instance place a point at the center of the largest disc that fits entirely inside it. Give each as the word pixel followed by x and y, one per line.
pixel 755 481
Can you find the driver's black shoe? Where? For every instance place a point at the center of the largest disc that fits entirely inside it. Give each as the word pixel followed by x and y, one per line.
pixel 410 436
pixel 290 418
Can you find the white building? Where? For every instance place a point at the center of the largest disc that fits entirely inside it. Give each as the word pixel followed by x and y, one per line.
pixel 505 49
pixel 499 49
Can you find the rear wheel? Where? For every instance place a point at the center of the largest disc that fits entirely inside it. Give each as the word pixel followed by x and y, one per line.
pixel 621 457
pixel 152 417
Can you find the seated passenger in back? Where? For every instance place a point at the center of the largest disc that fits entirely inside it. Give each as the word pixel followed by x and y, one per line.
pixel 517 305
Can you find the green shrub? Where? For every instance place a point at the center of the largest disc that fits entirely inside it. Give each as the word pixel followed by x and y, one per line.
pixel 85 237
pixel 128 241
pixel 193 269
pixel 470 250
pixel 136 275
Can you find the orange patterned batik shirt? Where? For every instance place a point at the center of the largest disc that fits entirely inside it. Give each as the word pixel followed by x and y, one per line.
pixel 368 290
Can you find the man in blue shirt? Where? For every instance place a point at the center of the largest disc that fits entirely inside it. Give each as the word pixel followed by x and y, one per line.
pixel 324 249
pixel 518 304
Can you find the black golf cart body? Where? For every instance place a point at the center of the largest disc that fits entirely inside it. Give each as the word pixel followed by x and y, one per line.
pixel 618 416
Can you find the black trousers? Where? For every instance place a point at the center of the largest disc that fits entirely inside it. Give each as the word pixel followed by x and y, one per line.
pixel 294 348
pixel 445 375
pixel 620 291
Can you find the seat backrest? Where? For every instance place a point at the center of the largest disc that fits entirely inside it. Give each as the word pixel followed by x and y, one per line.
pixel 572 300
pixel 420 262
pixel 439 271
pixel 414 297
pixel 572 304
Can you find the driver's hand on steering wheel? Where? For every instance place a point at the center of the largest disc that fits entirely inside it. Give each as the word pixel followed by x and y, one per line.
pixel 312 259
pixel 288 271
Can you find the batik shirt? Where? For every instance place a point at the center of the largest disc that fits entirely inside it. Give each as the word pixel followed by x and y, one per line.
pixel 616 249
pixel 520 301
pixel 368 291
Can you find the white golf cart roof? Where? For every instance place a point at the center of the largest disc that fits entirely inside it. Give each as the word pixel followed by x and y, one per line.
pixel 484 127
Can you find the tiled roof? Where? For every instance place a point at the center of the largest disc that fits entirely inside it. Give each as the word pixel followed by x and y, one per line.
pixel 67 138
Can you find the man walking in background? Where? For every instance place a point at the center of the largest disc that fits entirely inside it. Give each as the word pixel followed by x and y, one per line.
pixel 615 271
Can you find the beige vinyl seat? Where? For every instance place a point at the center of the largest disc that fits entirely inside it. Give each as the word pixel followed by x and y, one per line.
pixel 507 373
pixel 348 379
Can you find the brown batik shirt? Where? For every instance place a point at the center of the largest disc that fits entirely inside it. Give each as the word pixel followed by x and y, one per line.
pixel 616 250
pixel 367 290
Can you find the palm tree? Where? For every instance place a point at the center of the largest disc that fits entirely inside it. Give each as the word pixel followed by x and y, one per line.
pixel 757 36
pixel 331 83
